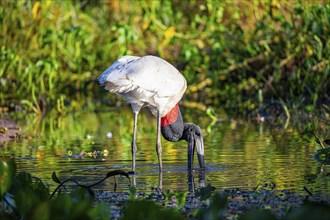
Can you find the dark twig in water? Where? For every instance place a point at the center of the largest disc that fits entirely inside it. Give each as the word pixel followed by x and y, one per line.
pixel 37 179
pixel 62 184
pixel 308 191
pixel 109 174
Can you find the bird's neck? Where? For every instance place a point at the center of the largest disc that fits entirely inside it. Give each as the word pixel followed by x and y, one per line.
pixel 173 129
pixel 171 116
pixel 172 125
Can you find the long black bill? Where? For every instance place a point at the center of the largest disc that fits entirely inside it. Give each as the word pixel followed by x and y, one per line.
pixel 199 145
pixel 195 142
pixel 190 152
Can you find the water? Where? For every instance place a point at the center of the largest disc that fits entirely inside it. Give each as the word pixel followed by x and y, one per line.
pixel 238 154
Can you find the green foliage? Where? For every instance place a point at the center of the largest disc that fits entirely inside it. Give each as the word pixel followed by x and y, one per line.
pixel 216 208
pixel 286 59
pixel 52 50
pixel 28 198
pixel 75 205
pixel 144 209
pixel 257 214
pixel 205 192
pixel 179 197
pixel 218 203
pixel 7 172
pixel 310 211
pixel 28 194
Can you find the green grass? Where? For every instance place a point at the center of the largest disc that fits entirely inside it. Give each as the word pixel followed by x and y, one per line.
pixel 229 52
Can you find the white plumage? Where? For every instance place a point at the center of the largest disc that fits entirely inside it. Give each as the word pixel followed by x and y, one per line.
pixel 145 81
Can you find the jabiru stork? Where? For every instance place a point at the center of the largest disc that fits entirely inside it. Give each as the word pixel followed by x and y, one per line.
pixel 152 82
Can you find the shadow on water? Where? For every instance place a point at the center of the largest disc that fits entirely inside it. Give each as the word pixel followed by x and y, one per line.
pixel 87 145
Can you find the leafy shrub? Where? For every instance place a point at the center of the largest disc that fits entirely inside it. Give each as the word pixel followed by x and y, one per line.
pixel 229 52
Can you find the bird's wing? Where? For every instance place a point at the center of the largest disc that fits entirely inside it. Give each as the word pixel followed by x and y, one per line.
pixel 148 73
pixel 157 76
pixel 114 77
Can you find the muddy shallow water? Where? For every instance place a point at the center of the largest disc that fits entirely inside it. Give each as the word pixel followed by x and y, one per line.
pixel 86 145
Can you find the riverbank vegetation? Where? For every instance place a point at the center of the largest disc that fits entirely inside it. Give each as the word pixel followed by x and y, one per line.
pixel 235 55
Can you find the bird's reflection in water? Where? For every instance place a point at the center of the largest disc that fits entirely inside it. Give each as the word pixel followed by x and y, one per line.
pixel 190 180
pixel 192 198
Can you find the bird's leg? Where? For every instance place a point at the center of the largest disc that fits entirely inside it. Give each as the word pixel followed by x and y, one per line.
pixel 134 148
pixel 160 180
pixel 191 184
pixel 158 144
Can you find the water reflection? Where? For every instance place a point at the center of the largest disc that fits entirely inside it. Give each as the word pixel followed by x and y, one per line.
pixel 237 156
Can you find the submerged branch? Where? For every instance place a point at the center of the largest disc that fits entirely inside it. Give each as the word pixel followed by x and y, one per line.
pixel 62 184
pixel 308 191
pixel 109 174
pixel 113 173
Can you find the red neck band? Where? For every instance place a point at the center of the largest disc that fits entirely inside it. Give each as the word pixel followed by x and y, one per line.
pixel 170 117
